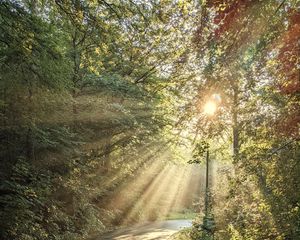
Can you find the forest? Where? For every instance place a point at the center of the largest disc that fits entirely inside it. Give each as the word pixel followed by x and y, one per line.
pixel 110 109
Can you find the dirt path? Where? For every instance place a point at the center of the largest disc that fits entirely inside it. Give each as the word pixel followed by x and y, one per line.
pixel 150 231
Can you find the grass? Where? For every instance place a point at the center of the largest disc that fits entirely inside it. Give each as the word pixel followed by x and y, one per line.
pixel 184 234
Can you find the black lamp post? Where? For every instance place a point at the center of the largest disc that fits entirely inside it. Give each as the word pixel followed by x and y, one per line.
pixel 208 225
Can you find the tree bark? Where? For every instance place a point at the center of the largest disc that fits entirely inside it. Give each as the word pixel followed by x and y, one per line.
pixel 235 124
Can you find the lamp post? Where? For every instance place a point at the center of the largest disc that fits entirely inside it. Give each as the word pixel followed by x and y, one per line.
pixel 208 225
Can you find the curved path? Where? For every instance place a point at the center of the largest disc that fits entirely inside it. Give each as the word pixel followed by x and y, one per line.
pixel 150 231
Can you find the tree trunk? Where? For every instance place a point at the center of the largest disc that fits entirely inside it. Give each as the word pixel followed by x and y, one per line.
pixel 75 78
pixel 235 125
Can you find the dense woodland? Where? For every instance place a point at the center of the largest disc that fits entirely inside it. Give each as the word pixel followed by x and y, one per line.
pixel 102 108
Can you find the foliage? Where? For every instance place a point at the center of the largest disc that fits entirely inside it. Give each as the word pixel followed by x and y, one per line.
pixel 94 93
pixel 85 99
pixel 253 66
pixel 198 152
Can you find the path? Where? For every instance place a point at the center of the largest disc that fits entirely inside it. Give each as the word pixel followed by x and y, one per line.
pixel 150 231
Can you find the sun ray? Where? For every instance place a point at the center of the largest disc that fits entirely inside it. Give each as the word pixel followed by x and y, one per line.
pixel 154 186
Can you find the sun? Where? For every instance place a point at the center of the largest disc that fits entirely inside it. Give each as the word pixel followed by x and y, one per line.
pixel 210 108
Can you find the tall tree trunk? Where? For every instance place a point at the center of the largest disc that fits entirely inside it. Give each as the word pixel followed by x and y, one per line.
pixel 235 124
pixel 75 78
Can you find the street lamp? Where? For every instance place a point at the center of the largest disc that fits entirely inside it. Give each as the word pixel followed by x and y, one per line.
pixel 208 225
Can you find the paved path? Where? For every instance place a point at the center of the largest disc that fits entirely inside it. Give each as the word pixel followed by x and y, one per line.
pixel 150 231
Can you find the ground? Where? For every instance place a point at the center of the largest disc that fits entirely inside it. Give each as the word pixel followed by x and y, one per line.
pixel 149 231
